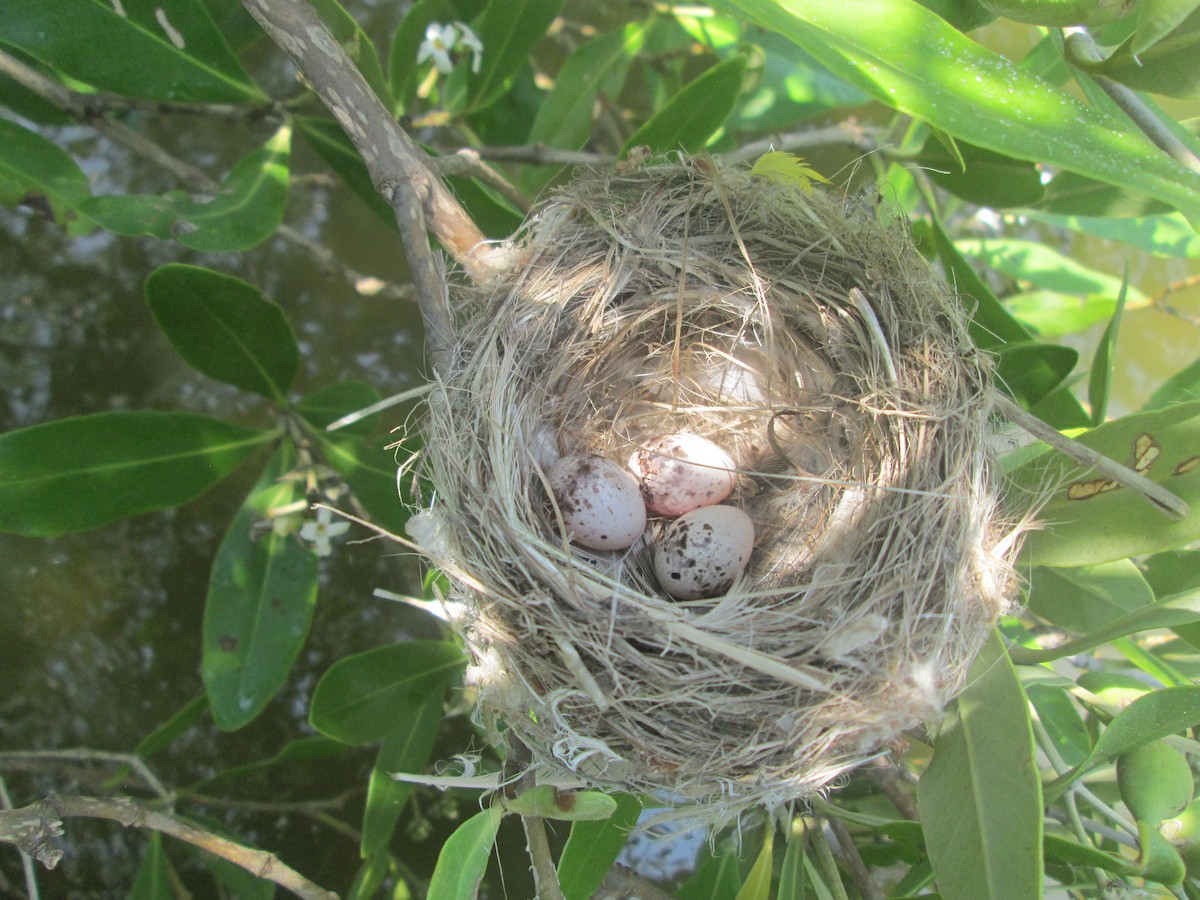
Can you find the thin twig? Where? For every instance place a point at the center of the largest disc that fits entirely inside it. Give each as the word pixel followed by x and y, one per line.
pixel 21 760
pixel 848 853
pixel 545 877
pixel 887 778
pixel 467 162
pixel 38 824
pixel 622 882
pixel 1153 493
pixel 1081 51
pixel 193 178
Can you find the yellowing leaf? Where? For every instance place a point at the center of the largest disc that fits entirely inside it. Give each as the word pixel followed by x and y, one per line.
pixel 785 168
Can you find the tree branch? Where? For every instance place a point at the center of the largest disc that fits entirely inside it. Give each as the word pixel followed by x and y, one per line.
pixel 399 168
pixel 35 829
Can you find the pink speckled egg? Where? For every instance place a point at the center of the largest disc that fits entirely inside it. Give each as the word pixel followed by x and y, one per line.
pixel 703 552
pixel 599 501
pixel 681 472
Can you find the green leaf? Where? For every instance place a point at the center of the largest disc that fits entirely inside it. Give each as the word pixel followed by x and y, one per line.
pixel 370 471
pixel 980 799
pixel 1088 597
pixel 260 601
pixel 508 31
pixel 406 749
pixel 989 178
pixel 1052 314
pixel 1062 722
pixel 1074 195
pixel 911 60
pixel 1156 19
pixel 1062 850
pixel 1092 520
pixel 792 86
pixel 358 46
pixel 1168 67
pixel 717 876
pixel 791 873
pixel 153 879
pixel 1153 716
pixel 548 802
pixel 139 48
pixel 406 42
pixel 1100 380
pixel 757 885
pixel 1031 371
pixel 1179 609
pixel 360 697
pixel 593 847
pixel 225 328
pixel 314 748
pixel 323 407
pixel 1167 236
pixel 1160 861
pixel 695 113
pixel 37 174
pixel 247 208
pixel 1036 264
pixel 464 857
pixel 166 733
pixel 965 15
pixel 79 473
pixel 327 138
pixel 1182 387
pixel 564 119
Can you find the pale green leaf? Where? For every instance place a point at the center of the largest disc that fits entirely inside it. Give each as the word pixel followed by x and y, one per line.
pixel 913 61
pixel 980 798
pixel 694 114
pixel 757 885
pixel 464 857
pixel 593 847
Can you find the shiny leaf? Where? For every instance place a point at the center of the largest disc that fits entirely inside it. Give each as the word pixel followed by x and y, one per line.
pixel 225 328
pixel 37 174
pixel 464 857
pixel 323 407
pixel 361 697
pixel 247 208
pixel 141 48
pixel 78 473
pixel 1168 236
pixel 694 114
pixel 980 798
pixel 911 60
pixel 370 471
pixel 260 601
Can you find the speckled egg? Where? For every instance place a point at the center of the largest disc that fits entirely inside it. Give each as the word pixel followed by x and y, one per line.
pixel 599 501
pixel 702 552
pixel 681 472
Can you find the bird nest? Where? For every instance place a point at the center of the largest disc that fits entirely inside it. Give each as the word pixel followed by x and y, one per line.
pixel 803 333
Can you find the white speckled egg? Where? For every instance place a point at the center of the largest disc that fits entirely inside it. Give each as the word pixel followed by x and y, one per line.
pixel 702 552
pixel 599 501
pixel 681 472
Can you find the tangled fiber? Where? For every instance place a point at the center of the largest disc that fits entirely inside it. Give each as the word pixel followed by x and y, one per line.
pixel 803 333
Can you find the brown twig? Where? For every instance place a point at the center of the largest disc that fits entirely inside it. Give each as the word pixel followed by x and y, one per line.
pixel 27 867
pixel 469 163
pixel 35 829
pixel 1159 300
pixel 38 760
pixel 847 852
pixel 622 882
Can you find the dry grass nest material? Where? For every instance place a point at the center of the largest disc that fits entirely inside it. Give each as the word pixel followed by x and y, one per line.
pixel 803 333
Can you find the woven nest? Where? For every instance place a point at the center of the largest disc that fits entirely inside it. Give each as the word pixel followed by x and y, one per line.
pixel 804 334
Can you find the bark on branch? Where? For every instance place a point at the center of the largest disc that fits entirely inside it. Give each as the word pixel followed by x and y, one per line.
pixel 36 829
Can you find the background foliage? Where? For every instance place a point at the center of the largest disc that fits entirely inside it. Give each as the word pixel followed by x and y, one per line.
pixel 1066 766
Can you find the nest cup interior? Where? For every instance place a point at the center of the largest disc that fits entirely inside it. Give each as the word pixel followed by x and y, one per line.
pixel 801 332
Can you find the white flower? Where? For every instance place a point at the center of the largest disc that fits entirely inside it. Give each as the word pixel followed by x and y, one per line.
pixel 319 532
pixel 441 40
